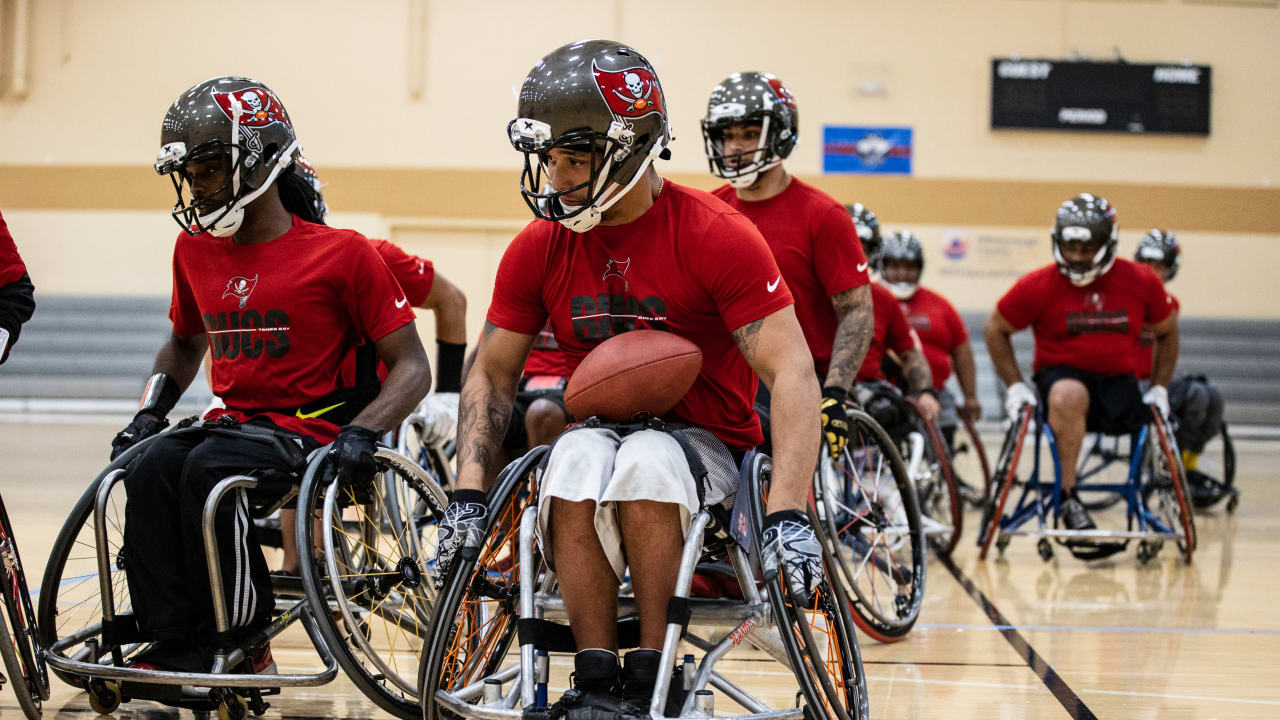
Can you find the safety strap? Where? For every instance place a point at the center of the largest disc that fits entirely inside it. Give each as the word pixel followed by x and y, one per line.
pixel 555 637
pixel 341 406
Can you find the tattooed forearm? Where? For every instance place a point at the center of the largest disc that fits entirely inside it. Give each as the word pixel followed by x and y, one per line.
pixel 916 369
pixel 853 335
pixel 747 338
pixel 482 423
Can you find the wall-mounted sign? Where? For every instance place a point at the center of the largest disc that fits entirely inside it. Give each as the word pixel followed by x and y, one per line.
pixel 866 150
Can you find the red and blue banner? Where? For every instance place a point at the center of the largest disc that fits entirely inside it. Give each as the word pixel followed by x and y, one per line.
pixel 885 150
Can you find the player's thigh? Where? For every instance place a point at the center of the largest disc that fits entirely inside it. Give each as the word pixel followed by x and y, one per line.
pixel 1064 388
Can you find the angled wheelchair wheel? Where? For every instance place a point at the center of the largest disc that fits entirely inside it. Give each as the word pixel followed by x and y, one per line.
pixel 941 507
pixel 817 633
pixel 973 444
pixel 1003 479
pixel 19 645
pixel 371 589
pixel 1165 485
pixel 867 508
pixel 473 625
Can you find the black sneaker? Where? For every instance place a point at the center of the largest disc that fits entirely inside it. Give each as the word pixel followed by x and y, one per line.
pixel 1075 516
pixel 640 670
pixel 1206 490
pixel 596 692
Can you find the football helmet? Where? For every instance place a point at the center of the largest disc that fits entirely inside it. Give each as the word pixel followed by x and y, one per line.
pixel 240 120
pixel 594 95
pixel 902 245
pixel 1160 246
pixel 750 98
pixel 868 232
pixel 1086 218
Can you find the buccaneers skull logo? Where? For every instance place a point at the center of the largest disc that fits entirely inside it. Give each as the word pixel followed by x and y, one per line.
pixel 630 93
pixel 241 287
pixel 258 106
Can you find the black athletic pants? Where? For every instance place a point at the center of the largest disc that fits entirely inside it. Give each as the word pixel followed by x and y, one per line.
pixel 163 540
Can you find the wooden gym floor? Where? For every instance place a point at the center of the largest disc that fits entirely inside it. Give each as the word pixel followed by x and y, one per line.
pixel 1012 637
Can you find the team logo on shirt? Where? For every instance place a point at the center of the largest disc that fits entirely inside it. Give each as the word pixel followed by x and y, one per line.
pixel 600 317
pixel 633 92
pixel 613 268
pixel 1094 301
pixel 241 287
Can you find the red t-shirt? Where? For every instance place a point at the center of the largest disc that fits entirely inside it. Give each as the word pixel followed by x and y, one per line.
pixel 415 276
pixel 892 333
pixel 1145 359
pixel 690 265
pixel 940 329
pixel 282 315
pixel 1092 328
pixel 545 357
pixel 11 266
pixel 816 245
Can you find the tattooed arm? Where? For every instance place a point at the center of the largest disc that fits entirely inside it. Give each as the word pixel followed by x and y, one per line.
pixel 857 324
pixel 774 346
pixel 485 405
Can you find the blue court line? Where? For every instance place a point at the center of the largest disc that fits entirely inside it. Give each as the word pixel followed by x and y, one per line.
pixel 1086 628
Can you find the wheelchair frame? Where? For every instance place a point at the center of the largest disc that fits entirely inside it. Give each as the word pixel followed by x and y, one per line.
pixel 752 620
pixel 19 644
pixel 1042 500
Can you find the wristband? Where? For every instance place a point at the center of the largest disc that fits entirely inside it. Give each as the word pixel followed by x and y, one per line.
pixel 449 358
pixel 930 392
pixel 159 396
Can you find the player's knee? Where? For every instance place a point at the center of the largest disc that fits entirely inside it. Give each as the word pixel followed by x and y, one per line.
pixel 1068 398
pixel 543 421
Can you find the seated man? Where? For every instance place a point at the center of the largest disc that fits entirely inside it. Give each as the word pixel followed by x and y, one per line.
pixel 279 302
pixel 1196 404
pixel 615 248
pixel 1086 311
pixel 893 337
pixel 17 301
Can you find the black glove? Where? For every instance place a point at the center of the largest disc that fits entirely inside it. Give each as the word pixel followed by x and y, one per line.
pixel 790 547
pixel 835 422
pixel 144 425
pixel 351 458
pixel 463 525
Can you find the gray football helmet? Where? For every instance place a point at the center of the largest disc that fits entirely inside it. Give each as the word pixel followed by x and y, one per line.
pixel 750 98
pixel 1162 246
pixel 240 120
pixel 1086 218
pixel 594 95
pixel 902 245
pixel 868 228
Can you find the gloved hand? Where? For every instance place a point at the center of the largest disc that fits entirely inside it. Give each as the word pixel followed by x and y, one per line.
pixel 835 421
pixel 463 525
pixel 143 426
pixel 790 547
pixel 1158 397
pixel 351 457
pixel 439 413
pixel 1017 395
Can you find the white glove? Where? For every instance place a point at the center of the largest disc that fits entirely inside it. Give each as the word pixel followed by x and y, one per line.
pixel 1017 395
pixel 439 413
pixel 1158 395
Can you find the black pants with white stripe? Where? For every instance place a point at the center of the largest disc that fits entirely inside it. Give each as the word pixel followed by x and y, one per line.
pixel 163 540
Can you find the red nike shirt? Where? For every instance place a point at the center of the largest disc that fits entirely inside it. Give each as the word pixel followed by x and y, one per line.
pixel 940 329
pixel 892 333
pixel 691 265
pixel 282 315
pixel 1092 328
pixel 545 357
pixel 816 245
pixel 415 276
pixel 11 266
pixel 1145 359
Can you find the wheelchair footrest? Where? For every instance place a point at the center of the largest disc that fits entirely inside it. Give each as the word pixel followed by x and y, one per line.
pixel 555 637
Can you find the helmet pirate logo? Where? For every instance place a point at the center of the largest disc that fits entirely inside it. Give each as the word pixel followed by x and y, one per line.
pixel 630 92
pixel 782 91
pixel 258 106
pixel 241 287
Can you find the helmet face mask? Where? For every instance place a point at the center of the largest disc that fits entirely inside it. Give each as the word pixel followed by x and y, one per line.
pixel 750 99
pixel 228 124
pixel 594 97
pixel 902 263
pixel 1090 221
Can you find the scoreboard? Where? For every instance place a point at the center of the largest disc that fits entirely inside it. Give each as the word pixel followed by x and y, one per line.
pixel 1111 96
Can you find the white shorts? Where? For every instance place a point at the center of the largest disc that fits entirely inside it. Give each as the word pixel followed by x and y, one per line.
pixel 596 464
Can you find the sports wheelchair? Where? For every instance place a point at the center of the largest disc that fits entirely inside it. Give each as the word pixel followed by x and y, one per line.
pixel 867 507
pixel 503 595
pixel 19 646
pixel 1154 490
pixel 350 602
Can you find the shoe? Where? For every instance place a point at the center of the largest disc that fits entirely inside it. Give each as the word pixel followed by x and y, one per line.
pixel 1206 490
pixel 1075 516
pixel 640 670
pixel 262 662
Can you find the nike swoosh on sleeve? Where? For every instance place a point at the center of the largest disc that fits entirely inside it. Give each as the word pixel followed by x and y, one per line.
pixel 401 302
pixel 771 286
pixel 317 413
pixel 862 267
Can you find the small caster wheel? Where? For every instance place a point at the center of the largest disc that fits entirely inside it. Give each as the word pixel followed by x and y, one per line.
pixel 1045 548
pixel 1148 550
pixel 1233 503
pixel 233 707
pixel 1002 542
pixel 104 696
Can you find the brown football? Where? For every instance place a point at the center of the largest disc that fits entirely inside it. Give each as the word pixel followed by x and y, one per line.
pixel 642 372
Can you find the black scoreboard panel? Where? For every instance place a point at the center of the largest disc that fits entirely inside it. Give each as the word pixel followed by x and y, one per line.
pixel 1114 96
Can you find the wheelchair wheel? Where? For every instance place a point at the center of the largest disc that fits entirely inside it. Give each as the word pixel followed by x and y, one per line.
pixel 371 591
pixel 818 634
pixel 473 625
pixel 1006 474
pixel 1168 496
pixel 974 444
pixel 871 526
pixel 69 610
pixel 941 508
pixel 18 643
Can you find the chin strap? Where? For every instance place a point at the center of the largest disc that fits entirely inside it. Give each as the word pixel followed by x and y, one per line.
pixel 590 217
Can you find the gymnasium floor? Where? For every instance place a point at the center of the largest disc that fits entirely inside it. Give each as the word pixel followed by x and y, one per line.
pixel 1006 638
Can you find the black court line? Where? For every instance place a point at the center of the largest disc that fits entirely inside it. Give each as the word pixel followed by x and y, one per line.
pixel 1067 697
